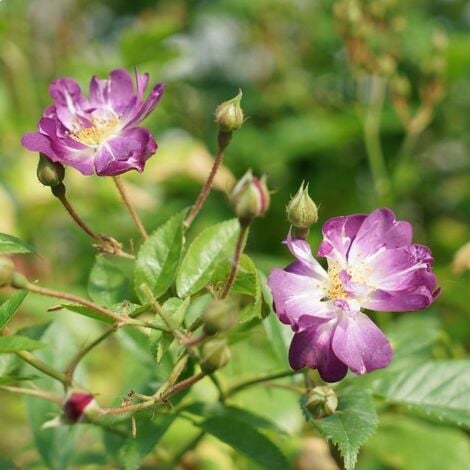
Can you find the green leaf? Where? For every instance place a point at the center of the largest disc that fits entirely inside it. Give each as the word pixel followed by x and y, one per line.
pixel 247 283
pixel 88 312
pixel 174 310
pixel 351 425
pixel 159 257
pixel 246 439
pixel 212 246
pixel 10 307
pixel 230 413
pixel 108 283
pixel 9 344
pixel 11 244
pixel 439 389
pixel 148 435
pixel 405 443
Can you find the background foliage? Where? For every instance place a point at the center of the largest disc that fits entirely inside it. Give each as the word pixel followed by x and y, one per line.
pixel 305 113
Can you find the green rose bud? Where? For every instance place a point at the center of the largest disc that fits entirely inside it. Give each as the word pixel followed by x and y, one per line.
pixel 321 401
pixel 219 316
pixel 215 355
pixel 50 173
pixel 302 212
pixel 229 114
pixel 7 271
pixel 250 197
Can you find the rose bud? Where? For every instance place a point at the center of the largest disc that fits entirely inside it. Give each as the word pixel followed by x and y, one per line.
pixel 302 212
pixel 215 355
pixel 7 271
pixel 50 173
pixel 321 401
pixel 80 405
pixel 219 316
pixel 250 197
pixel 229 114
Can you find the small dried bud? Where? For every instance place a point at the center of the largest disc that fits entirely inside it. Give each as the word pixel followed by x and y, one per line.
pixel 302 212
pixel 229 114
pixel 321 401
pixel 7 271
pixel 80 405
pixel 50 173
pixel 250 197
pixel 219 316
pixel 215 355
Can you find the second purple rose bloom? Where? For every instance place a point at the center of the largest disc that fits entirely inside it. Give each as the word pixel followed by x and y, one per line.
pixel 372 264
pixel 98 134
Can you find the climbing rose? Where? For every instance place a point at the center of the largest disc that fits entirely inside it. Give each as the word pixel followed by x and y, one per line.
pixel 97 134
pixel 372 264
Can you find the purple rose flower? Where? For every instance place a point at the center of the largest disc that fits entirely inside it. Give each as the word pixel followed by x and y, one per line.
pixel 97 134
pixel 77 404
pixel 372 264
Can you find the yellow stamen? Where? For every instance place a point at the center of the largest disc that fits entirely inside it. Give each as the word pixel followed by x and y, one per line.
pixel 93 136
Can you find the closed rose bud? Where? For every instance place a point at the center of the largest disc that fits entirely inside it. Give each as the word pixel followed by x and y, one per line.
pixel 302 212
pixel 250 197
pixel 219 316
pixel 80 405
pixel 7 271
pixel 50 173
pixel 215 355
pixel 229 114
pixel 321 401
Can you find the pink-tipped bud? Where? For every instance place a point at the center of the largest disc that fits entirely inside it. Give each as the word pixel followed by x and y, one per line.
pixel 229 114
pixel 250 197
pixel 80 405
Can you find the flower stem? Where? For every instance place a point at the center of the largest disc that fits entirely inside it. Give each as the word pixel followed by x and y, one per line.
pixel 33 393
pixel 42 366
pixel 241 243
pixel 156 398
pixel 59 192
pixel 223 140
pixel 372 137
pixel 74 298
pixel 249 383
pixel 130 207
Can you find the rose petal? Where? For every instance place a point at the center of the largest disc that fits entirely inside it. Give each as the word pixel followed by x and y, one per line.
pixel 295 295
pixel 312 348
pixel 360 344
pixel 127 151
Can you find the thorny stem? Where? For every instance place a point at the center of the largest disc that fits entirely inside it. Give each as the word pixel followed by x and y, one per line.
pixel 249 383
pixel 60 193
pixel 104 243
pixel 372 137
pixel 161 398
pixel 241 243
pixel 74 298
pixel 33 393
pixel 130 207
pixel 223 140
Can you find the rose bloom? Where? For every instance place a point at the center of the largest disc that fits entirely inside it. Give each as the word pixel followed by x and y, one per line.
pixel 98 134
pixel 372 264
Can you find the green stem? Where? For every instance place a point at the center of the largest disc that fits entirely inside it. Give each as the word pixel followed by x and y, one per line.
pixel 372 137
pixel 42 366
pixel 241 243
pixel 249 383
pixel 74 298
pixel 125 199
pixel 33 393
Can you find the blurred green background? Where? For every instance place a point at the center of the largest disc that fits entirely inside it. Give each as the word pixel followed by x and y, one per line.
pixel 306 99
